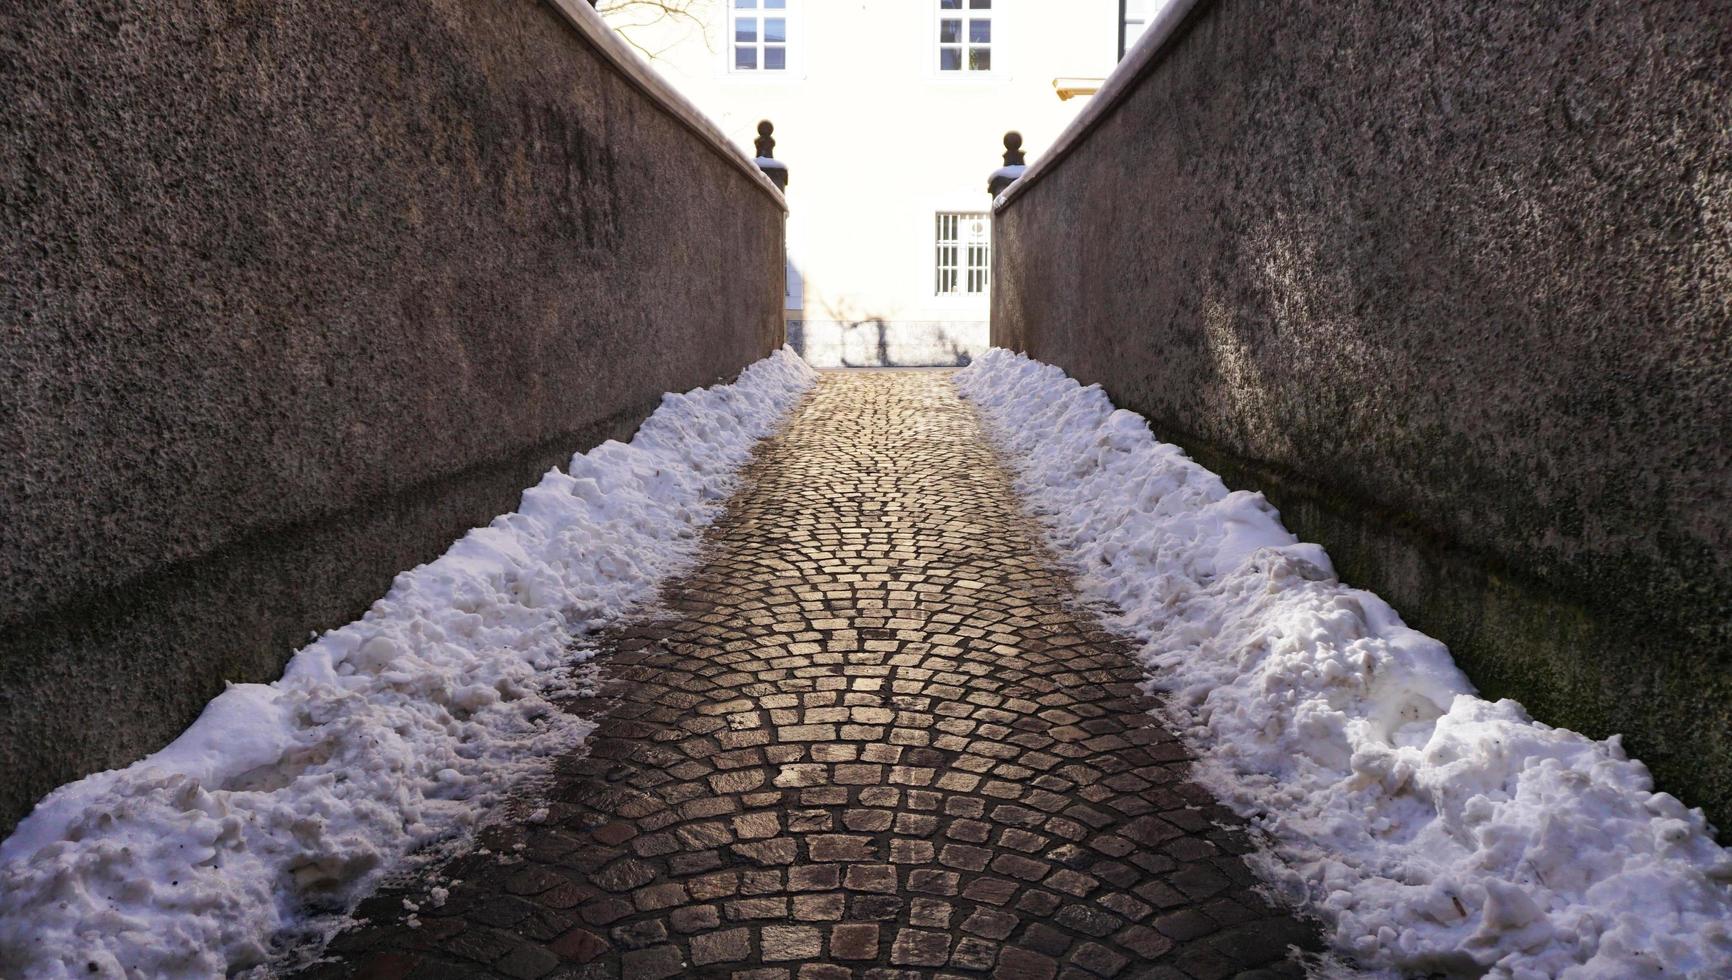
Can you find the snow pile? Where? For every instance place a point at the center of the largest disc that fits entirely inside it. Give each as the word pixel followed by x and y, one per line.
pixel 1434 831
pixel 285 802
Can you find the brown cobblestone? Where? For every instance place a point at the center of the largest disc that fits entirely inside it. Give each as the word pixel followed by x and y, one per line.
pixel 973 953
pixel 990 923
pixel 1022 964
pixel 651 964
pixel 920 947
pixel 870 738
pixel 857 941
pixel 871 878
pixel 731 945
pixel 933 882
pixel 819 908
pixel 790 942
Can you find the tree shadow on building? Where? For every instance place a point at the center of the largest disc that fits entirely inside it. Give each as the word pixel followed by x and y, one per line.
pixel 876 341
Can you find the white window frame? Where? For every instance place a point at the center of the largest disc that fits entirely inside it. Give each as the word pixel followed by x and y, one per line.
pixel 758 13
pixel 964 12
pixel 963 260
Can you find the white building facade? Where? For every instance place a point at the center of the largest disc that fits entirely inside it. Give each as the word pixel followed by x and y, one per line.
pixel 890 115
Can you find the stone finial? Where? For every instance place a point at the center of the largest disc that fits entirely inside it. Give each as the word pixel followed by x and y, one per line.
pixel 1013 166
pixel 774 169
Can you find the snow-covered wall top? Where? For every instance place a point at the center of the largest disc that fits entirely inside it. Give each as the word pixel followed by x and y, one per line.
pixel 295 294
pixel 1451 284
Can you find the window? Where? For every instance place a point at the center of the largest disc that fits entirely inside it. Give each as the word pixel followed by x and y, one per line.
pixel 964 260
pixel 760 32
pixel 964 35
pixel 794 291
pixel 1134 17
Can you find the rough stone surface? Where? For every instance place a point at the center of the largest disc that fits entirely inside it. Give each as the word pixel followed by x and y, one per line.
pixel 1450 284
pixel 296 293
pixel 877 644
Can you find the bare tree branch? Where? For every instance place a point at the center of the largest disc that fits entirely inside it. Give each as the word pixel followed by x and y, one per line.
pixel 631 16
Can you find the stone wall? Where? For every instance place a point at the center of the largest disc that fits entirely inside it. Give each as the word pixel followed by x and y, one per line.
pixel 1452 285
pixel 293 295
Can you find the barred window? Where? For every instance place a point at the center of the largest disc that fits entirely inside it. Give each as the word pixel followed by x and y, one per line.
pixel 1134 17
pixel 964 253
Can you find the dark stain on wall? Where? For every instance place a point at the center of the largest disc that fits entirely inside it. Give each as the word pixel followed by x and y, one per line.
pixel 291 295
pixel 1452 285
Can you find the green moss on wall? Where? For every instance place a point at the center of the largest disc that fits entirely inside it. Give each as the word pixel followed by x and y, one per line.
pixel 1666 692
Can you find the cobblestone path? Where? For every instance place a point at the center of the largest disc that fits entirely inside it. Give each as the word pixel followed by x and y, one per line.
pixel 869 739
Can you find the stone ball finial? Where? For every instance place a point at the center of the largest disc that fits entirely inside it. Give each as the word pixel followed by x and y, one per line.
pixel 1013 167
pixel 773 168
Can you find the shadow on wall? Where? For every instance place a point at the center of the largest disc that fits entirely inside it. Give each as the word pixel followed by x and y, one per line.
pixel 877 342
pixel 1482 363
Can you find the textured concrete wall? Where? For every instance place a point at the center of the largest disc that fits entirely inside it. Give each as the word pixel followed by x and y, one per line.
pixel 1452 283
pixel 293 294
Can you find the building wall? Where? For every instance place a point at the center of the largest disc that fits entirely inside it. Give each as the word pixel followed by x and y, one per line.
pixel 294 295
pixel 877 141
pixel 1452 285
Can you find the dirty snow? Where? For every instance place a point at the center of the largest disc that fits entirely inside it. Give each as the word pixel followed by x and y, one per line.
pixel 1431 830
pixel 284 803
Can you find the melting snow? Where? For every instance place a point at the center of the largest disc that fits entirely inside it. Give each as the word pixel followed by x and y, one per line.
pixel 284 803
pixel 1433 831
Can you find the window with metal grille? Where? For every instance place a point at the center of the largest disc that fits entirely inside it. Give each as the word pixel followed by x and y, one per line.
pixel 1134 17
pixel 760 35
pixel 964 35
pixel 964 257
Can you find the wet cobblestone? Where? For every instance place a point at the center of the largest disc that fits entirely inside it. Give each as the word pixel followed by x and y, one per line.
pixel 869 739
